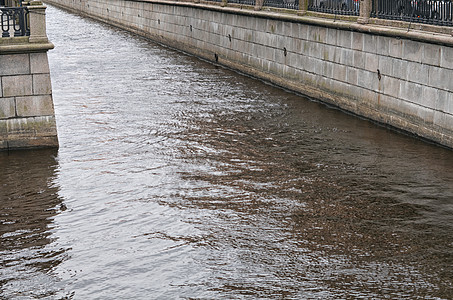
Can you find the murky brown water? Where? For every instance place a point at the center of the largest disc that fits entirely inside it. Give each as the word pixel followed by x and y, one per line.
pixel 179 179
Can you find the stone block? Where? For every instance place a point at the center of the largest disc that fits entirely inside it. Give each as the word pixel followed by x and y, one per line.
pixel 450 104
pixel 409 109
pixel 352 75
pixel 395 47
pixel 31 127
pixel 42 84
pixel 443 120
pixel 329 53
pixel 417 72
pixel 359 59
pixel 344 39
pixel 425 114
pixel 371 62
pixel 302 30
pixel 315 36
pixel 399 69
pixel 322 35
pixel 446 57
pixel 442 100
pixel 331 36
pixel 368 80
pixel 339 72
pixel 389 103
pixel 347 57
pixel 7 108
pixel 431 54
pixel 412 50
pixel 20 85
pixel 14 64
pixel 286 29
pixel 390 86
pixel 411 92
pixel 429 97
pixel 382 45
pixel 3 129
pixel 357 41
pixel 327 69
pixel 385 65
pixel 39 63
pixel 34 106
pixel 310 65
pixel 440 78
pixel 369 43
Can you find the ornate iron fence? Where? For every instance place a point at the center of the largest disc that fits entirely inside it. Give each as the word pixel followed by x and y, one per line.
pixel 340 7
pixel 14 21
pixel 289 4
pixel 245 2
pixel 438 12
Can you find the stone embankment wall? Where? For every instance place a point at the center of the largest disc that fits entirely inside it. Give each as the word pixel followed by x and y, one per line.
pixel 387 74
pixel 27 118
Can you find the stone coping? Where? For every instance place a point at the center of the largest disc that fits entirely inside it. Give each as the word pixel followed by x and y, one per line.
pixel 22 45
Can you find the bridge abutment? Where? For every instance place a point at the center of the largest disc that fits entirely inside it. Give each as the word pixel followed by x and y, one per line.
pixel 27 117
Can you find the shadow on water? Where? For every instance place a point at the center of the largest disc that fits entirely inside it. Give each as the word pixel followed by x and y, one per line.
pixel 29 202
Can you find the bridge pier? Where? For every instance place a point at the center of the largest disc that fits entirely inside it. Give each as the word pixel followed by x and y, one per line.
pixel 27 118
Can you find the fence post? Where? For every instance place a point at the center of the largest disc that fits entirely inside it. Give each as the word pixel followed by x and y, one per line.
pixel 37 19
pixel 303 7
pixel 365 11
pixel 259 4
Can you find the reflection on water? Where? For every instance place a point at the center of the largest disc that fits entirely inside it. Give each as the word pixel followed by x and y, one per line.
pixel 29 202
pixel 186 180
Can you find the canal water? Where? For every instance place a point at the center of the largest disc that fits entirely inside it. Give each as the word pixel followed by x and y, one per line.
pixel 179 179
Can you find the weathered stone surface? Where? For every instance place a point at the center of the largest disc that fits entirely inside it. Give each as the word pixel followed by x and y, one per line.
pixel 20 85
pixel 23 128
pixel 447 58
pixel 417 72
pixel 395 47
pixel 40 105
pixel 429 96
pixel 7 108
pixel 431 54
pixel 42 84
pixel 412 50
pixel 357 41
pixel 39 63
pixel 390 86
pixel 371 62
pixel 3 130
pixel 14 64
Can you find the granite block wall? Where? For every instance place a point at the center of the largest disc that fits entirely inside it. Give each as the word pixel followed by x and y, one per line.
pixel 27 117
pixel 390 76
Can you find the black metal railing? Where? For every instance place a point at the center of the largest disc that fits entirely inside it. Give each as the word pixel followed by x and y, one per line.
pixel 244 2
pixel 438 12
pixel 14 21
pixel 340 7
pixel 289 4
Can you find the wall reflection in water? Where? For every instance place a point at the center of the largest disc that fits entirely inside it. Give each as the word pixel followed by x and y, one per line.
pixel 321 206
pixel 28 204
